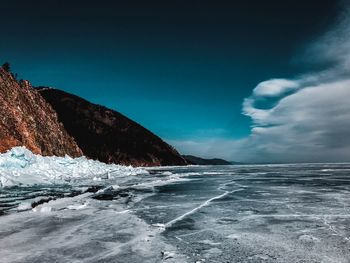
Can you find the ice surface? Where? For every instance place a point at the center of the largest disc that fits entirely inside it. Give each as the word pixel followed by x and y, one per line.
pixel 257 213
pixel 19 166
pixel 74 230
pixel 248 213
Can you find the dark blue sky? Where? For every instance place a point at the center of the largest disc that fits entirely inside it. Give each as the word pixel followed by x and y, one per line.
pixel 180 68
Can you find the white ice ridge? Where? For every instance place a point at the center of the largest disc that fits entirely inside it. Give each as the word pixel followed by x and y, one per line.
pixel 19 166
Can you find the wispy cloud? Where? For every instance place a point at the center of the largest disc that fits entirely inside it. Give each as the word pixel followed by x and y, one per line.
pixel 309 119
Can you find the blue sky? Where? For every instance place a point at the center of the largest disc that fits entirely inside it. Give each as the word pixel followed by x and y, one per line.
pixel 181 68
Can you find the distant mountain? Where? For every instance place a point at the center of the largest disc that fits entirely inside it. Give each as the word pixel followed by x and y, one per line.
pixel 201 161
pixel 107 135
pixel 26 119
pixel 237 163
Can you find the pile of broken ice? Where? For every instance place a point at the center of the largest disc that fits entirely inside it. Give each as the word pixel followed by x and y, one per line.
pixel 19 166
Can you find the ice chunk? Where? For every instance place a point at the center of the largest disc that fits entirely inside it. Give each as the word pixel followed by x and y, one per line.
pixel 24 206
pixel 167 254
pixel 43 209
pixel 105 193
pixel 77 207
pixel 19 166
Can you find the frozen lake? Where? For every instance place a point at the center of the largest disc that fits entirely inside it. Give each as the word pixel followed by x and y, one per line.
pixel 257 213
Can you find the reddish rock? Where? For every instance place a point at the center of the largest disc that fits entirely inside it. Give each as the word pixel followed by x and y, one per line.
pixel 26 119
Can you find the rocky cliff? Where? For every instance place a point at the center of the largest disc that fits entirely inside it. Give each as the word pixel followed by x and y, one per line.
pixel 106 135
pixel 26 119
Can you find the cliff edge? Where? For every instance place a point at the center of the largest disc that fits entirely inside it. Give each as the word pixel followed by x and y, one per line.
pixel 26 119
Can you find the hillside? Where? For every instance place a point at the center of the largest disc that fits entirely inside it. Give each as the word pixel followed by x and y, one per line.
pixel 107 135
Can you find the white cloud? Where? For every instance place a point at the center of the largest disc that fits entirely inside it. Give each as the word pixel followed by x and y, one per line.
pixel 265 90
pixel 312 124
pixel 274 87
pixel 309 119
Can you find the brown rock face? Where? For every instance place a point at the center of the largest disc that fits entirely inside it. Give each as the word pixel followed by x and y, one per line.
pixel 107 135
pixel 26 119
